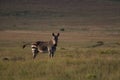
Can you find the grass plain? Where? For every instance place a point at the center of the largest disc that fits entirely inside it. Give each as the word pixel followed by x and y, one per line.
pixel 88 49
pixel 75 57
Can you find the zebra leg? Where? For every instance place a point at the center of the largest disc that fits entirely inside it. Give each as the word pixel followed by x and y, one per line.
pixel 51 52
pixel 35 52
pixel 52 55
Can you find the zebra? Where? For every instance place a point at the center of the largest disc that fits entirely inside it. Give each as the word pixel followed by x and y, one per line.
pixel 44 47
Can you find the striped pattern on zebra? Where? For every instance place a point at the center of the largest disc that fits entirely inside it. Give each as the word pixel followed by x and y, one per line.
pixel 44 47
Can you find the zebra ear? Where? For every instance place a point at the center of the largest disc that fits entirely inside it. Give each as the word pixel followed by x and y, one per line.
pixel 53 34
pixel 58 34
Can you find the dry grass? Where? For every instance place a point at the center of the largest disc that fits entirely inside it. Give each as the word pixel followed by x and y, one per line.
pixel 74 58
pixel 78 56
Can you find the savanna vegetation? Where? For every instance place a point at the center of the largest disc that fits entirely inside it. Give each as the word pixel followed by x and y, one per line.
pixel 89 43
pixel 77 57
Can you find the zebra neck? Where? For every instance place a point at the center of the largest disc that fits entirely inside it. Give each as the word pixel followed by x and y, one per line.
pixel 53 42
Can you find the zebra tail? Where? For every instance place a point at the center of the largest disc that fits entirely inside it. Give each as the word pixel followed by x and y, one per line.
pixel 25 45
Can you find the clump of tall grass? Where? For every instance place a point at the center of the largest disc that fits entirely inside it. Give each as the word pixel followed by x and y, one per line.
pixel 109 51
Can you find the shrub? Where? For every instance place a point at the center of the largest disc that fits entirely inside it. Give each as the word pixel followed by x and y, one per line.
pixel 62 29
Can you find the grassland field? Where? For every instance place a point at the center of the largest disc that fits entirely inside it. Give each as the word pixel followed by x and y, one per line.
pixel 76 57
pixel 89 42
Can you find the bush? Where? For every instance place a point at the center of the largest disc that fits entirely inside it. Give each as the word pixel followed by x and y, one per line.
pixel 62 29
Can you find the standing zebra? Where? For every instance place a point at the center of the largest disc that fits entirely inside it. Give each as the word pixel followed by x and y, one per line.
pixel 43 47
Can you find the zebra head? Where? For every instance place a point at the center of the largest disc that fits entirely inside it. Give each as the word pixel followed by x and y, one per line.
pixel 55 38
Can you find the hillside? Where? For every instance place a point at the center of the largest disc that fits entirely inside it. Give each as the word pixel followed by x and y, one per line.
pixel 55 14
